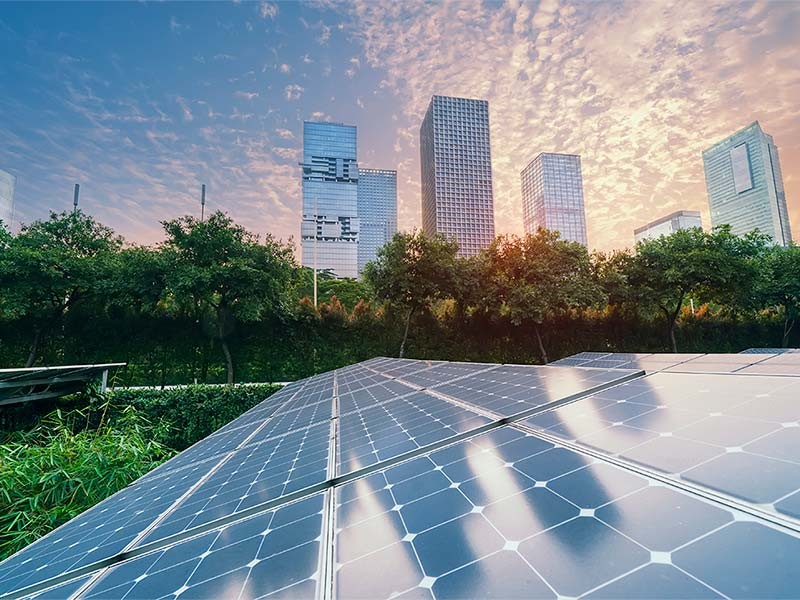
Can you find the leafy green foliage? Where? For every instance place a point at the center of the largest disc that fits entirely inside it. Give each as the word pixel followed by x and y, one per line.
pixel 778 285
pixel 52 266
pixel 192 412
pixel 412 271
pixel 224 274
pixel 666 271
pixel 66 465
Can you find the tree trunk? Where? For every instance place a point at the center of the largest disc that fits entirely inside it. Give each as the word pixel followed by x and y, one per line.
pixel 788 325
pixel 34 348
pixel 405 334
pixel 228 359
pixel 539 341
pixel 672 336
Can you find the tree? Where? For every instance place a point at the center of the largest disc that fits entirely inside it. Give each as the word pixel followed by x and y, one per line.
pixel 532 278
pixel 778 285
pixel 663 272
pixel 221 273
pixel 349 291
pixel 50 267
pixel 412 271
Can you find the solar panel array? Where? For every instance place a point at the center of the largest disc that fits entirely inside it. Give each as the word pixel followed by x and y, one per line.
pixel 407 478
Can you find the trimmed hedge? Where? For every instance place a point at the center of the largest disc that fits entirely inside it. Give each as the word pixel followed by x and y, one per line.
pixel 194 411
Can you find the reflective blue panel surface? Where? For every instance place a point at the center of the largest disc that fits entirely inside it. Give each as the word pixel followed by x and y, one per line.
pixel 100 532
pixel 510 389
pixel 369 396
pixel 274 553
pixel 398 426
pixel 255 474
pixel 508 515
pixel 736 434
pixel 444 372
pixel 400 367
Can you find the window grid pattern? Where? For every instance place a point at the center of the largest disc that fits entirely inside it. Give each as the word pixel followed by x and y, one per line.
pixel 456 170
pixel 762 204
pixel 552 196
pixel 377 211
pixel 330 226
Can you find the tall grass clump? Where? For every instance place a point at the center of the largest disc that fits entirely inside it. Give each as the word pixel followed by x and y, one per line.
pixel 68 463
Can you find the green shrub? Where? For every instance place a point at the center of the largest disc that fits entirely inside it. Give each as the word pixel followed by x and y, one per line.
pixel 195 411
pixel 67 464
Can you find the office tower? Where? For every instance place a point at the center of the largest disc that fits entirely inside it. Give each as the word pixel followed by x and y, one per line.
pixel 377 212
pixel 682 219
pixel 456 169
pixel 552 196
pixel 745 186
pixel 7 186
pixel 329 231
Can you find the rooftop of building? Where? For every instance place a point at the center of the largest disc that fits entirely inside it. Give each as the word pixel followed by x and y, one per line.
pixel 669 217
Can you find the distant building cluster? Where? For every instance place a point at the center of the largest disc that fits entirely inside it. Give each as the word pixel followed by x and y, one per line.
pixel 8 185
pixel 347 214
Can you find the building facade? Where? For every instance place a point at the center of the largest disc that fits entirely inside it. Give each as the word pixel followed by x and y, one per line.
pixel 330 226
pixel 682 219
pixel 552 196
pixel 456 172
pixel 8 185
pixel 745 185
pixel 377 212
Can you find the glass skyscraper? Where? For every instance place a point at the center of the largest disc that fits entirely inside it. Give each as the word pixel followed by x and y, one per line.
pixel 456 171
pixel 329 231
pixel 377 212
pixel 745 185
pixel 682 219
pixel 7 186
pixel 552 196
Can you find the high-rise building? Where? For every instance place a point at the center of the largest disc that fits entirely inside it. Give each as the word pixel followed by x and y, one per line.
pixel 329 231
pixel 682 219
pixel 377 212
pixel 456 169
pixel 7 186
pixel 552 196
pixel 745 185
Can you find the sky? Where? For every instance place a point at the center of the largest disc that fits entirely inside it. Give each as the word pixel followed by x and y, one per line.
pixel 142 102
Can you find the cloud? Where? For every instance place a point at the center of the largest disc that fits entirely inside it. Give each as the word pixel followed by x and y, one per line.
pixel 249 96
pixel 268 10
pixel 285 134
pixel 176 27
pixel 293 91
pixel 637 89
pixel 185 108
pixel 285 68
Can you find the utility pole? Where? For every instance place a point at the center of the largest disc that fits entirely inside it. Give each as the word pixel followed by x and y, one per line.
pixel 202 202
pixel 75 196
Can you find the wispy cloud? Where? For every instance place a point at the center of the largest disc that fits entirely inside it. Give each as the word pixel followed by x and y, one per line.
pixel 268 10
pixel 246 95
pixel 638 90
pixel 185 109
pixel 293 91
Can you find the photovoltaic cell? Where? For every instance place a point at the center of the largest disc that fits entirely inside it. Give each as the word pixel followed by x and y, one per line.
pixel 100 532
pixel 398 426
pixel 255 474
pixel 370 396
pixel 733 434
pixel 274 553
pixel 510 389
pixel 443 372
pixel 509 515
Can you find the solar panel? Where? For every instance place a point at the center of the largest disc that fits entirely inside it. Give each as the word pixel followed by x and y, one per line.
pixel 509 515
pixel 40 383
pixel 736 435
pixel 420 478
pixel 511 389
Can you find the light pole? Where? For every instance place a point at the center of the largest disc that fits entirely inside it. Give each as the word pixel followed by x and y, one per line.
pixel 75 196
pixel 202 202
pixel 315 249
